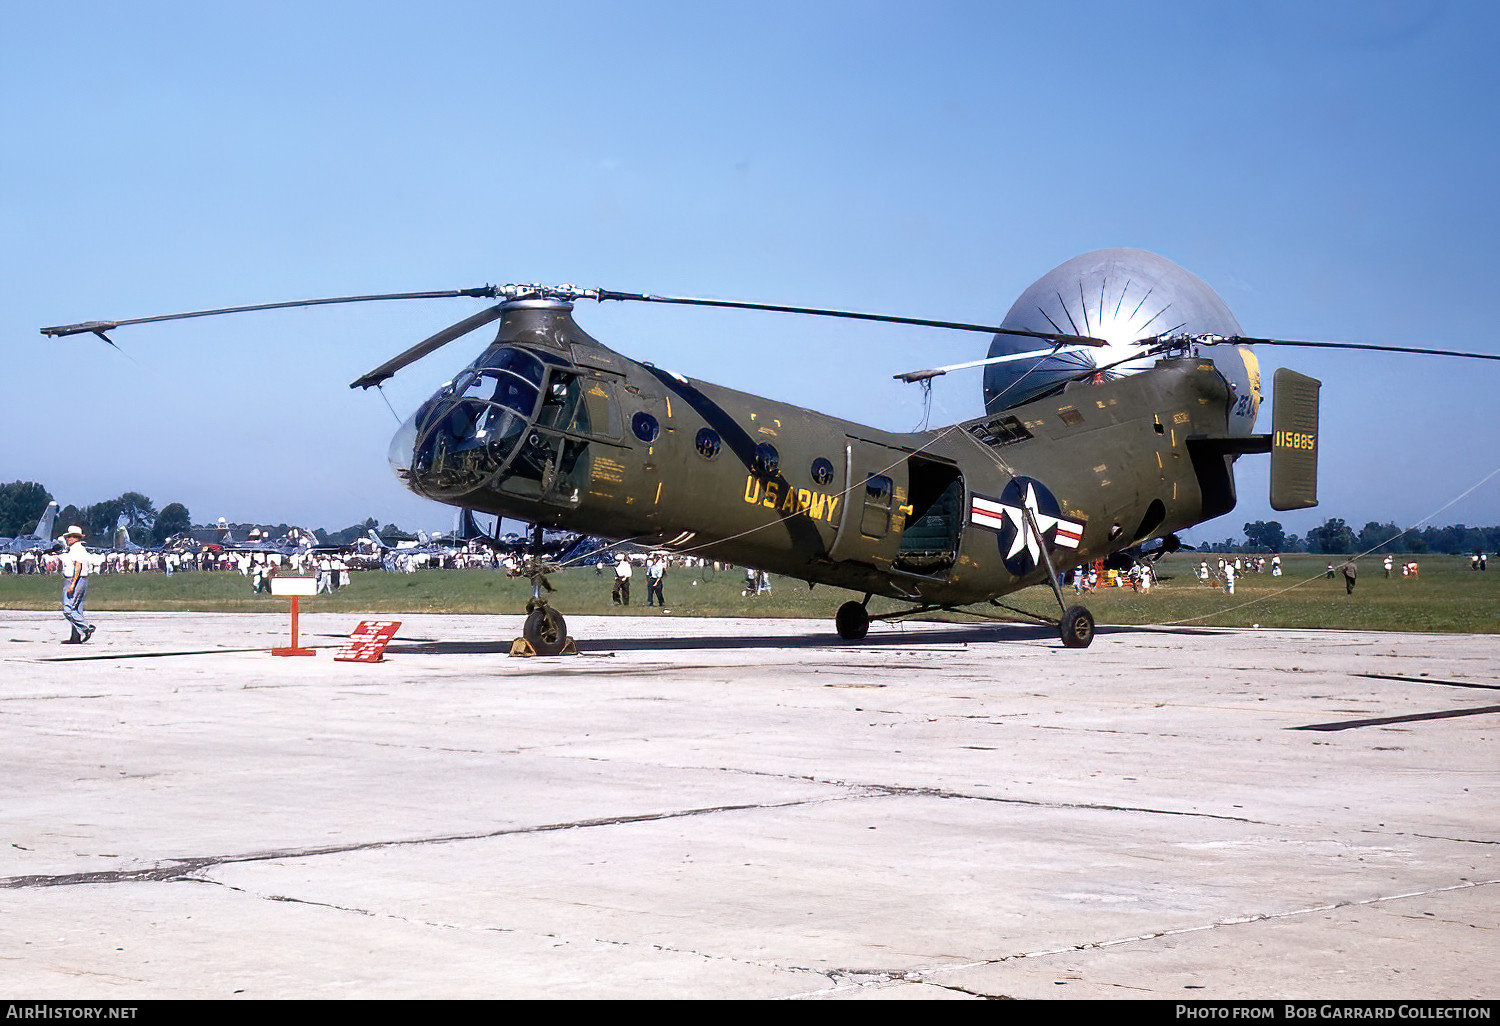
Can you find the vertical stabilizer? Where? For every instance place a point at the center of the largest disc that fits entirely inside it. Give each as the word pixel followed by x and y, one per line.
pixel 1294 441
pixel 465 526
pixel 44 526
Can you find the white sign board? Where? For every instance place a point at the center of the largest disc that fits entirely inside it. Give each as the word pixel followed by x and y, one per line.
pixel 294 586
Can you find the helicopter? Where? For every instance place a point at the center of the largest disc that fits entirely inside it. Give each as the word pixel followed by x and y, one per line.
pixel 1119 392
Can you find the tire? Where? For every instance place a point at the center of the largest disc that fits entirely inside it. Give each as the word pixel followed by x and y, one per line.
pixel 1077 627
pixel 546 631
pixel 852 621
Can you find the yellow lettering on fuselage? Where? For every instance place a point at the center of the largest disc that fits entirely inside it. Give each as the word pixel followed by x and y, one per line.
pixel 792 501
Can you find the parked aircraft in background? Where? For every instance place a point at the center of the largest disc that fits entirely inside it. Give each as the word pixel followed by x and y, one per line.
pixel 40 539
pixel 295 540
pixel 122 541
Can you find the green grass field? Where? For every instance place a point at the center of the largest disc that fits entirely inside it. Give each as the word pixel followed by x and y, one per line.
pixel 1447 597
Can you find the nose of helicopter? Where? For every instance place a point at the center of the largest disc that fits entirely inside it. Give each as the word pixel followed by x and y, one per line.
pixel 461 440
pixel 403 448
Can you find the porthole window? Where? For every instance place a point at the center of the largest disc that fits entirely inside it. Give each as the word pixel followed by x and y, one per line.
pixel 822 472
pixel 709 443
pixel 767 460
pixel 645 427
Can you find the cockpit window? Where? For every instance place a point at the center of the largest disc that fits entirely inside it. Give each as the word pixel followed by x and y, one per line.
pixel 502 375
pixel 465 436
pixel 505 388
pixel 521 364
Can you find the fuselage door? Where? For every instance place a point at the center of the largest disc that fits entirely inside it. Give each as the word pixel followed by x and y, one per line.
pixel 873 508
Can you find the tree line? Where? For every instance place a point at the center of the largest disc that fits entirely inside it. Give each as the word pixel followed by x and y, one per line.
pixel 1336 537
pixel 22 504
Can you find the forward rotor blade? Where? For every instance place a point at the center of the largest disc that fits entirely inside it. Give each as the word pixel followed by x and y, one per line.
pixel 989 329
pixel 427 345
pixel 97 327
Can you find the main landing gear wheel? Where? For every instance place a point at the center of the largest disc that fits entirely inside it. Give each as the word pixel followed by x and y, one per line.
pixel 852 621
pixel 1077 627
pixel 545 631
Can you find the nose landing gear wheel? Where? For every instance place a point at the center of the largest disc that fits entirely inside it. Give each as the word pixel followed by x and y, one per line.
pixel 1077 627
pixel 545 631
pixel 852 621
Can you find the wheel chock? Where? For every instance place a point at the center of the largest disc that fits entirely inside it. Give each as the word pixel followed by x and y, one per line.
pixel 522 647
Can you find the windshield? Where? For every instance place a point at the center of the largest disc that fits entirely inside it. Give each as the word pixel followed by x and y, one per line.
pixel 461 438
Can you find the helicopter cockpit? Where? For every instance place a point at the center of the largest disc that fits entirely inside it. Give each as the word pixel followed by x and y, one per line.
pixel 479 428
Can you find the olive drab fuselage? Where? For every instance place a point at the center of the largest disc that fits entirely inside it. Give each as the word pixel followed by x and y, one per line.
pixel 549 426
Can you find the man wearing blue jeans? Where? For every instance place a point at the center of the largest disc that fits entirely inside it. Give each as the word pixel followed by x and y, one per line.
pixel 75 568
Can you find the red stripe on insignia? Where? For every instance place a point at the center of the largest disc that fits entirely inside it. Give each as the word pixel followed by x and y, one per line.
pixel 985 518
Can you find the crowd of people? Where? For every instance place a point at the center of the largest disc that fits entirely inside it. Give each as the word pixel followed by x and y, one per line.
pixel 1092 576
pixel 245 563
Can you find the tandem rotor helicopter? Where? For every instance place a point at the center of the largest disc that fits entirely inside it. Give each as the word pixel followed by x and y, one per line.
pixel 1119 392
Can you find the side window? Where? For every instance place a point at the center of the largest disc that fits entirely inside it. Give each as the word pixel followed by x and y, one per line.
pixel 562 406
pixel 709 443
pixel 645 427
pixel 603 408
pixel 822 472
pixel 876 521
pixel 767 460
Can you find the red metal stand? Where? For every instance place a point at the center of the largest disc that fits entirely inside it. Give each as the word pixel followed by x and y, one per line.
pixel 294 650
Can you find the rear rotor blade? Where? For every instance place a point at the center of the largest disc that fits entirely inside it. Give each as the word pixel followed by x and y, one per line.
pixel 1162 342
pixel 427 345
pixel 1033 354
pixel 1240 340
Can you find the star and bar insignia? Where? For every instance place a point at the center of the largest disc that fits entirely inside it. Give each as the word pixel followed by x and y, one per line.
pixel 1007 516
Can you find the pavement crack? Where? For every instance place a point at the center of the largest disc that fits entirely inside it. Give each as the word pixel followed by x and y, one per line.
pixel 864 790
pixel 190 868
pixel 972 993
pixel 1460 840
pixel 353 910
pixel 858 979
pixel 933 792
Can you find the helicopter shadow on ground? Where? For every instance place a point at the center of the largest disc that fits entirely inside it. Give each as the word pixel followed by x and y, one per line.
pixel 957 634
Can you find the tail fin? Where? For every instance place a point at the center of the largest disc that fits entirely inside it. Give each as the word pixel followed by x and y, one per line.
pixel 379 541
pixel 1294 441
pixel 466 527
pixel 44 526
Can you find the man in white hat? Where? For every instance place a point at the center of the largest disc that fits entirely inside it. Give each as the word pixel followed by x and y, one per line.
pixel 75 568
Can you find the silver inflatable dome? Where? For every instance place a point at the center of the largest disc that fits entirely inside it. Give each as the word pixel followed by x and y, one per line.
pixel 1116 294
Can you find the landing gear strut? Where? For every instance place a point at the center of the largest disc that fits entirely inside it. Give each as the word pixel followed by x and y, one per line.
pixel 545 631
pixel 1076 628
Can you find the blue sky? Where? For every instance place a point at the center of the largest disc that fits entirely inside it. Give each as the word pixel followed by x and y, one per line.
pixel 1329 168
